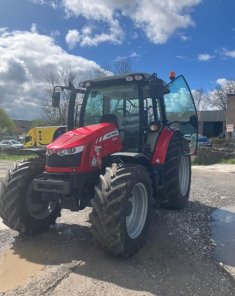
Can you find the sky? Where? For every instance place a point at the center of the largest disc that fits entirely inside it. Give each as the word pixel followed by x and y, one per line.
pixel 195 38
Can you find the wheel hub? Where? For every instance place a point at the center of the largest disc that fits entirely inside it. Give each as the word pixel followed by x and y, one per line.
pixel 39 205
pixel 136 210
pixel 184 177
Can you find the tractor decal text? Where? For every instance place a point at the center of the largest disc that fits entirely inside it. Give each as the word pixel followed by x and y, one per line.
pixel 107 136
pixel 110 135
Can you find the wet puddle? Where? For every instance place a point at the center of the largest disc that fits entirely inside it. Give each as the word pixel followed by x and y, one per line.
pixel 28 257
pixel 23 262
pixel 223 232
pixel 16 271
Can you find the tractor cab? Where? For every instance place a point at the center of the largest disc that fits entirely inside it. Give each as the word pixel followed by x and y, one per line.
pixel 140 105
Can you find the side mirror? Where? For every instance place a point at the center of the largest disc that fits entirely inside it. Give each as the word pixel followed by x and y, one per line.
pixel 193 121
pixel 56 99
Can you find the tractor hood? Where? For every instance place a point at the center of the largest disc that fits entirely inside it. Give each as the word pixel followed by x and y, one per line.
pixel 91 144
pixel 84 136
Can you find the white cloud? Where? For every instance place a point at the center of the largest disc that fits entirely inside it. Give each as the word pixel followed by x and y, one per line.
pixel 55 33
pixel 40 2
pixel 87 30
pixel 54 4
pixel 89 36
pixel 184 38
pixel 72 38
pixel 204 57
pixel 221 81
pixel 229 53
pixel 159 20
pixel 132 55
pixel 33 28
pixel 2 30
pixel 181 57
pixel 26 59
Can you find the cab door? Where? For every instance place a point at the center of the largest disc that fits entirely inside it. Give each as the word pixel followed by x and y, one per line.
pixel 181 112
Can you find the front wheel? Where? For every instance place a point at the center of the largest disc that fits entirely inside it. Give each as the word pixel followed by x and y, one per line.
pixel 121 209
pixel 23 209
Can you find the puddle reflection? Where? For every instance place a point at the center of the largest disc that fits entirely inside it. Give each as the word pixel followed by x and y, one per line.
pixel 223 232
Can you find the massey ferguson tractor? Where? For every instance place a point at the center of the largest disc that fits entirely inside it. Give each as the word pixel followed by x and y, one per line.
pixel 131 149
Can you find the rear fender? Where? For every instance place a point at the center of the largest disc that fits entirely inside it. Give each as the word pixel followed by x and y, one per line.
pixel 161 147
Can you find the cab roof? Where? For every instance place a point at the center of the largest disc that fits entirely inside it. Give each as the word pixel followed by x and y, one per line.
pixel 114 79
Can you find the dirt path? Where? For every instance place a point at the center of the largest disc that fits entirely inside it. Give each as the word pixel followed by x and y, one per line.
pixel 177 258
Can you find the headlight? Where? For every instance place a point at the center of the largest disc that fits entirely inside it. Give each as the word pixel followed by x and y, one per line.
pixel 50 152
pixel 70 151
pixel 129 78
pixel 138 77
pixel 63 152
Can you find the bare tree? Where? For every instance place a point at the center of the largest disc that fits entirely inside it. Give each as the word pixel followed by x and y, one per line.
pixel 58 116
pixel 218 97
pixel 51 115
pixel 200 99
pixel 122 66
pixel 119 67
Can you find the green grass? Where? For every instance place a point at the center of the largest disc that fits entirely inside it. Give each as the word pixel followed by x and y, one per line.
pixel 10 157
pixel 222 161
pixel 228 161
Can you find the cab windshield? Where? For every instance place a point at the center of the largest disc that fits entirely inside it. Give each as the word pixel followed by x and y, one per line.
pixel 122 101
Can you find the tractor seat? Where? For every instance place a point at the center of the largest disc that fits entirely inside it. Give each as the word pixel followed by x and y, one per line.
pixel 130 138
pixel 112 118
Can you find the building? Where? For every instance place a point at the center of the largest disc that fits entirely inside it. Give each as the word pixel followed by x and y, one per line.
pixel 230 116
pixel 212 123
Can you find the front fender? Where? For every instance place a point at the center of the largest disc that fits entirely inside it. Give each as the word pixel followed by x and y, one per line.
pixel 39 151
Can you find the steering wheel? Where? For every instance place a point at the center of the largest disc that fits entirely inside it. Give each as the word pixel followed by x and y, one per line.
pixel 121 109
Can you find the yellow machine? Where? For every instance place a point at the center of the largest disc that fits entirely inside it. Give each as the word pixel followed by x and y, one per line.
pixel 41 136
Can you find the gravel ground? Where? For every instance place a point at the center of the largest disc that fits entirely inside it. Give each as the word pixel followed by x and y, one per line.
pixel 177 259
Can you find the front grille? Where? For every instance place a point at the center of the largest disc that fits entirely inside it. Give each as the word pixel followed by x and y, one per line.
pixel 67 161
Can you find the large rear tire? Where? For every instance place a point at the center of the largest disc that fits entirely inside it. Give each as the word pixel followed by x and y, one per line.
pixel 21 208
pixel 176 175
pixel 121 209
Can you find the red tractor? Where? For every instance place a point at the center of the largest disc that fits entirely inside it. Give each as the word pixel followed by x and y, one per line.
pixel 128 152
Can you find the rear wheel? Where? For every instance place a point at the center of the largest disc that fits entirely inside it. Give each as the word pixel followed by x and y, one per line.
pixel 121 209
pixel 176 175
pixel 23 209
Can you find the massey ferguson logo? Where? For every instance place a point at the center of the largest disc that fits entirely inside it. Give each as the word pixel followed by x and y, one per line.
pixel 112 134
